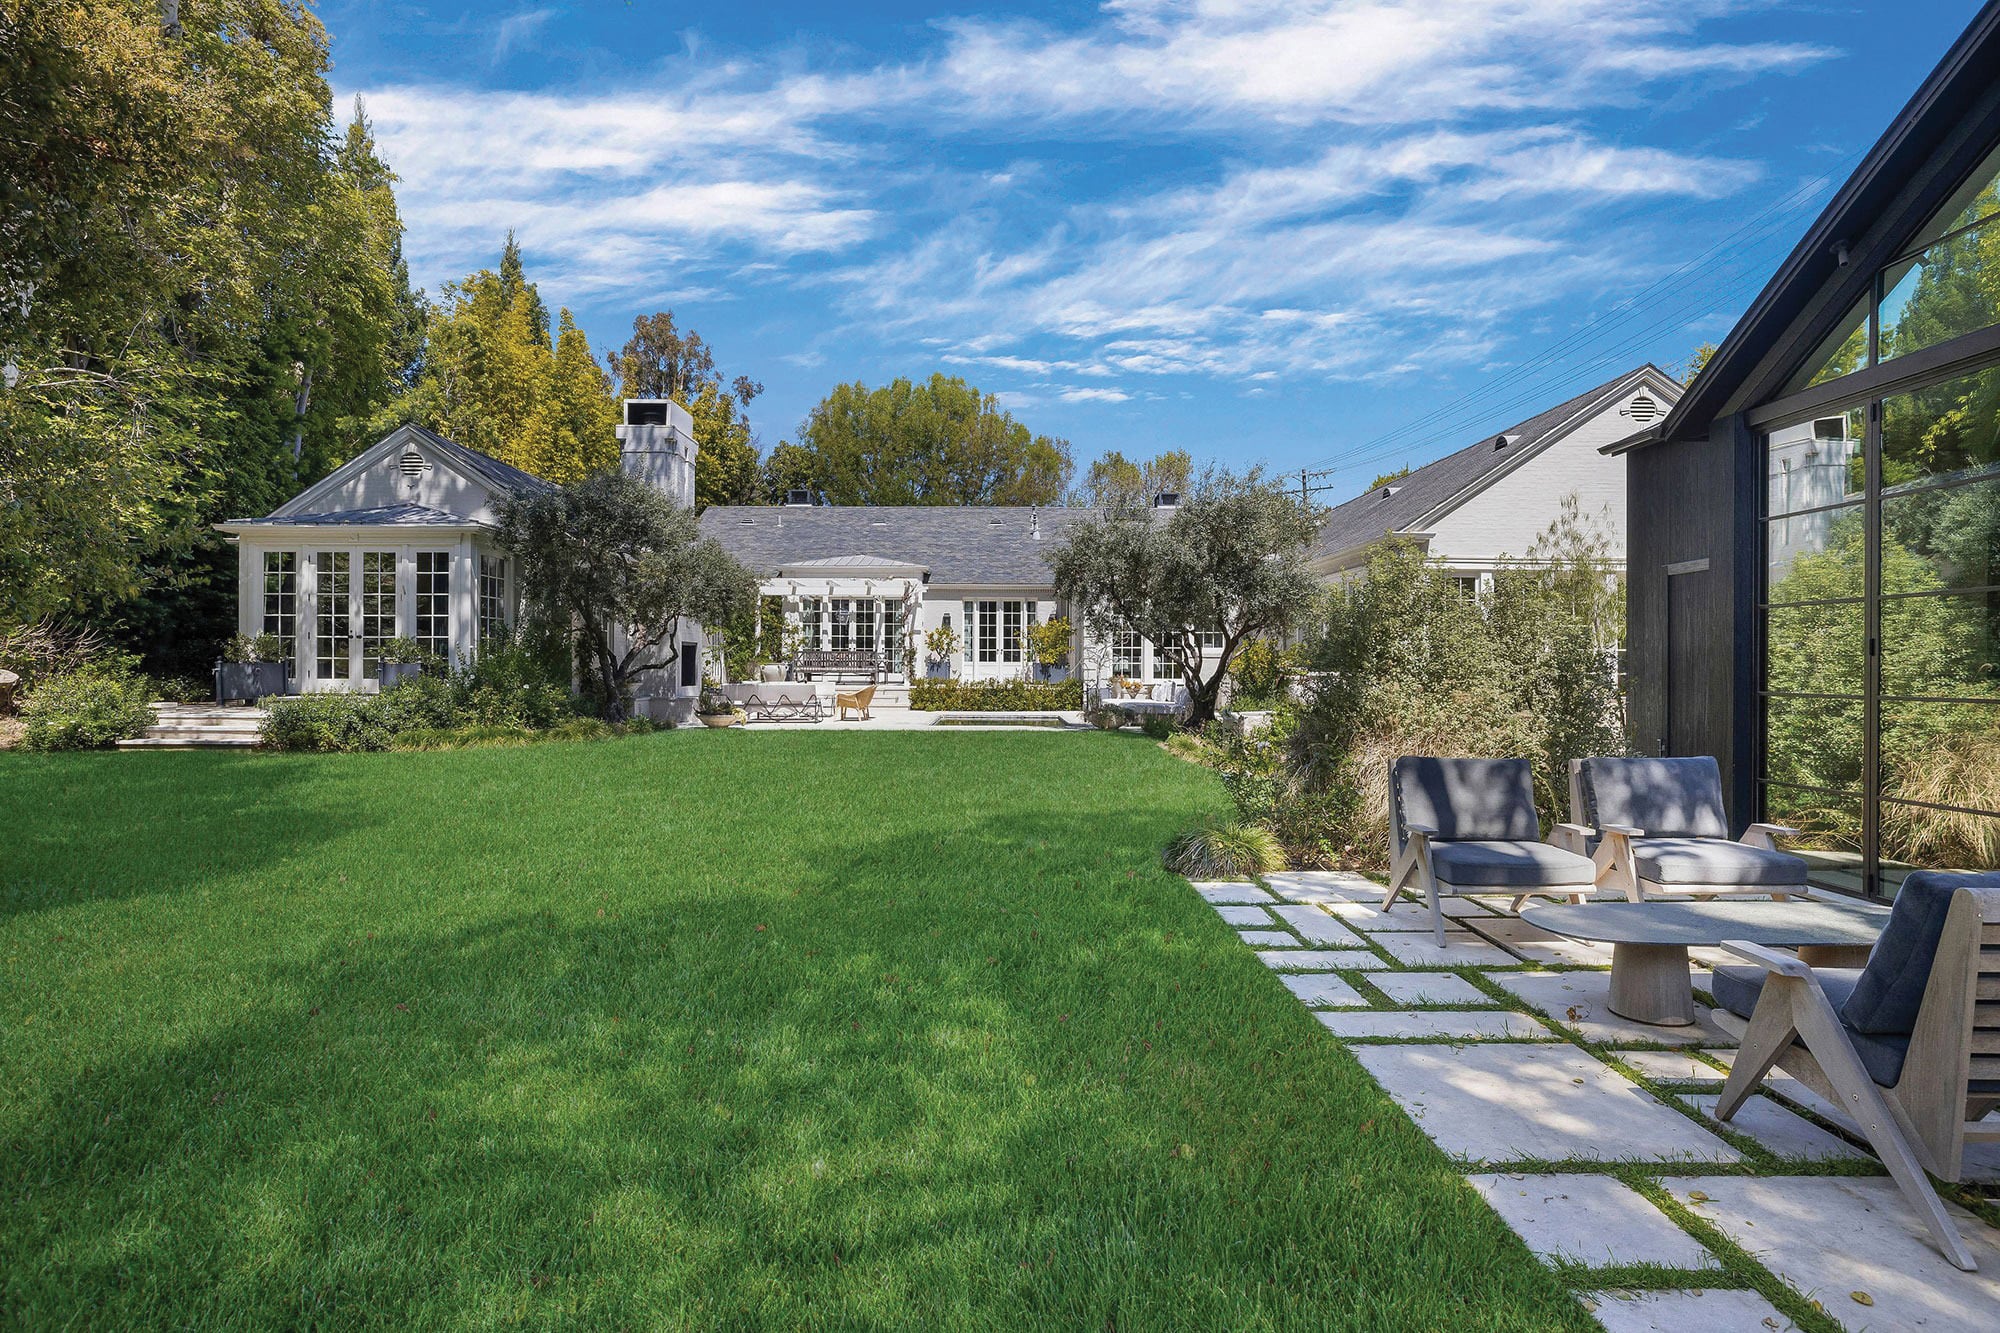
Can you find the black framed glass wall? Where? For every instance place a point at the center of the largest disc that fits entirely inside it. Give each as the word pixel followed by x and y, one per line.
pixel 1881 617
pixel 1881 593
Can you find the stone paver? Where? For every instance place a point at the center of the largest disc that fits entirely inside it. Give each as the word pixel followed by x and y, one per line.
pixel 1588 1219
pixel 1436 1024
pixel 1320 960
pixel 1429 988
pixel 1223 891
pixel 1269 939
pixel 1461 949
pixel 1342 882
pixel 1578 1000
pixel 1680 1311
pixel 1323 990
pixel 1508 1102
pixel 1456 906
pixel 1316 927
pixel 1782 1132
pixel 1671 1066
pixel 1244 916
pixel 1371 918
pixel 1538 945
pixel 1830 1236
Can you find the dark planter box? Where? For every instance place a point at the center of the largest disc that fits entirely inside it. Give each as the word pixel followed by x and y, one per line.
pixel 395 673
pixel 937 670
pixel 248 680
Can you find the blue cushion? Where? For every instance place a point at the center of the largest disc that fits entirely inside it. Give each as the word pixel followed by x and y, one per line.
pixel 1736 987
pixel 1668 798
pixel 1466 800
pixel 1891 989
pixel 1510 865
pixel 1715 861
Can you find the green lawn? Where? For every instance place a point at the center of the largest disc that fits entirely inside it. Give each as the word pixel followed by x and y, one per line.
pixel 788 1030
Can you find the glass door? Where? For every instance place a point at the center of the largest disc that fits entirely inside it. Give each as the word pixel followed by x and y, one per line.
pixel 335 645
pixel 377 608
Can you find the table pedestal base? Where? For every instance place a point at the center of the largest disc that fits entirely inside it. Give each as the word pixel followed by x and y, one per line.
pixel 1650 984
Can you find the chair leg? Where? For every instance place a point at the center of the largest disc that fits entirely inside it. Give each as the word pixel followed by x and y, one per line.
pixel 1768 1036
pixel 1437 908
pixel 1399 875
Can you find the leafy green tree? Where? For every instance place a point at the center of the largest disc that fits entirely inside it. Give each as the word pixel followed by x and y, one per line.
pixel 1231 559
pixel 1115 479
pixel 1389 478
pixel 661 360
pixel 626 566
pixel 940 442
pixel 578 427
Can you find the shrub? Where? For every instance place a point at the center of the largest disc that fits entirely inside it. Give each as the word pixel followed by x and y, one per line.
pixel 996 696
pixel 1223 851
pixel 253 648
pixel 1156 726
pixel 88 708
pixel 1262 675
pixel 183 689
pixel 344 722
pixel 48 648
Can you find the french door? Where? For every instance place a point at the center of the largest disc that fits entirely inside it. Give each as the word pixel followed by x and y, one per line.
pixel 356 613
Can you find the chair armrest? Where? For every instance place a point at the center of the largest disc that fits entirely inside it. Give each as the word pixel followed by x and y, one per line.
pixel 1420 831
pixel 1628 830
pixel 1771 960
pixel 1571 837
pixel 1765 835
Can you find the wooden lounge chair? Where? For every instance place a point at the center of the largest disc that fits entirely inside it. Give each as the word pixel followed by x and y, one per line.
pixel 1469 826
pixel 855 699
pixel 1658 826
pixel 1909 1046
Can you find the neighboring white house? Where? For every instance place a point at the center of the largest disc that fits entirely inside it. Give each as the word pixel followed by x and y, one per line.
pixel 1473 509
pixel 878 579
pixel 399 541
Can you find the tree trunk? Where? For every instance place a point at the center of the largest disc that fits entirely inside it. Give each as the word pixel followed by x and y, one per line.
pixel 301 401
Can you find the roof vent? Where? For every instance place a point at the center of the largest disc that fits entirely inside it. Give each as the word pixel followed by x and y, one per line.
pixel 1388 491
pixel 413 464
pixel 1643 409
pixel 1502 441
pixel 798 498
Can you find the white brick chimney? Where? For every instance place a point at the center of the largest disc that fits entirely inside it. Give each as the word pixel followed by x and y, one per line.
pixel 656 445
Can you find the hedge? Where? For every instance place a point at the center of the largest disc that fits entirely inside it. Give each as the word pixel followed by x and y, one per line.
pixel 995 696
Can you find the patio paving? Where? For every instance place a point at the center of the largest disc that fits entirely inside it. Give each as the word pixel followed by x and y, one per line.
pixel 1244 916
pixel 1520 1101
pixel 1828 1237
pixel 1224 891
pixel 1494 1084
pixel 1269 939
pixel 1590 1219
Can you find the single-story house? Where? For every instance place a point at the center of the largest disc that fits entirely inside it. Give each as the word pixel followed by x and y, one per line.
pixel 399 542
pixel 878 579
pixel 1473 509
pixel 1815 528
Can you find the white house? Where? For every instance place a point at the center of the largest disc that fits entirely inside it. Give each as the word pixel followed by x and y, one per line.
pixel 1472 509
pixel 874 581
pixel 399 541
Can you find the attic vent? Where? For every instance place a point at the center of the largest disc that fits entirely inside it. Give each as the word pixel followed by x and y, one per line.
pixel 1388 491
pixel 1499 441
pixel 412 464
pixel 1643 409
pixel 746 522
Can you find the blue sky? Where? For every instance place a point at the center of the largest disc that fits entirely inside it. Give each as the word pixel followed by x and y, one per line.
pixel 1288 232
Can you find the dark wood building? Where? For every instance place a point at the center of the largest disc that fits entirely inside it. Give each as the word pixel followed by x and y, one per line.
pixel 1814 530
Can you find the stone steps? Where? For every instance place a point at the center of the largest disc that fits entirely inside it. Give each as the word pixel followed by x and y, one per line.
pixel 199 726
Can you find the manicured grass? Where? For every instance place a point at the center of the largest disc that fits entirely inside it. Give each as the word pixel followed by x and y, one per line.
pixel 790 1030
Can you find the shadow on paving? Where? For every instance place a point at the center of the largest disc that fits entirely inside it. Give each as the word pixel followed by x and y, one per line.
pixel 887 1092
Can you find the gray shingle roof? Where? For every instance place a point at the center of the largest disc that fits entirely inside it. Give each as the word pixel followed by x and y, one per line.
pixel 484 466
pixel 399 515
pixel 1371 515
pixel 970 545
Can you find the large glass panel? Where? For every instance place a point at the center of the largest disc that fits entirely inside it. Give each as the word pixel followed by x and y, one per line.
pixel 989 631
pixel 1829 827
pixel 864 624
pixel 1128 652
pixel 1941 645
pixel 1948 430
pixel 434 602
pixel 492 597
pixel 378 608
pixel 1843 351
pixel 1816 555
pixel 1816 463
pixel 843 624
pixel 893 647
pixel 1814 742
pixel 1949 281
pixel 281 600
pixel 1010 631
pixel 1944 754
pixel 1820 649
pixel 334 588
pixel 1942 537
pixel 810 633
pixel 1915 837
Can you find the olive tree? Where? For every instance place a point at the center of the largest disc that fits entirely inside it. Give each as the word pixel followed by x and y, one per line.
pixel 622 565
pixel 1229 561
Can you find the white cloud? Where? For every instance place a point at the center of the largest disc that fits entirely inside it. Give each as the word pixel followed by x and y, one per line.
pixel 518 28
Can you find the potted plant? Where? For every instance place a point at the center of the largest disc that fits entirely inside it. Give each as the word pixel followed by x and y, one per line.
pixel 402 659
pixel 252 666
pixel 940 646
pixel 714 707
pixel 1048 645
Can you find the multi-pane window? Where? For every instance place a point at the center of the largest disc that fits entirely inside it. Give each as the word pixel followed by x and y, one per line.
pixel 378 608
pixel 335 625
pixel 843 624
pixel 864 625
pixel 971 622
pixel 1128 653
pixel 989 631
pixel 433 609
pixel 892 632
pixel 492 597
pixel 809 623
pixel 1011 632
pixel 281 599
pixel 1211 640
pixel 1166 663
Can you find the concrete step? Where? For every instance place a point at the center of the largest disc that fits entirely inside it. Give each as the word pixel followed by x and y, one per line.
pixel 209 742
pixel 231 726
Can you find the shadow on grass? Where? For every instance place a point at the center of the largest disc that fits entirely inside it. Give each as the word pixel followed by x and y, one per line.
pixel 998 1070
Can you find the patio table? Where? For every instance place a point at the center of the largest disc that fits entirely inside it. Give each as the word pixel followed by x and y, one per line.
pixel 1650 940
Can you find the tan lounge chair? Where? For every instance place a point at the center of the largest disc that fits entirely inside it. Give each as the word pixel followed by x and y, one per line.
pixel 855 699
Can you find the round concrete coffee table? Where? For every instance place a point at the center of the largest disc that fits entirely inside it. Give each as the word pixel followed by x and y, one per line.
pixel 1650 940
